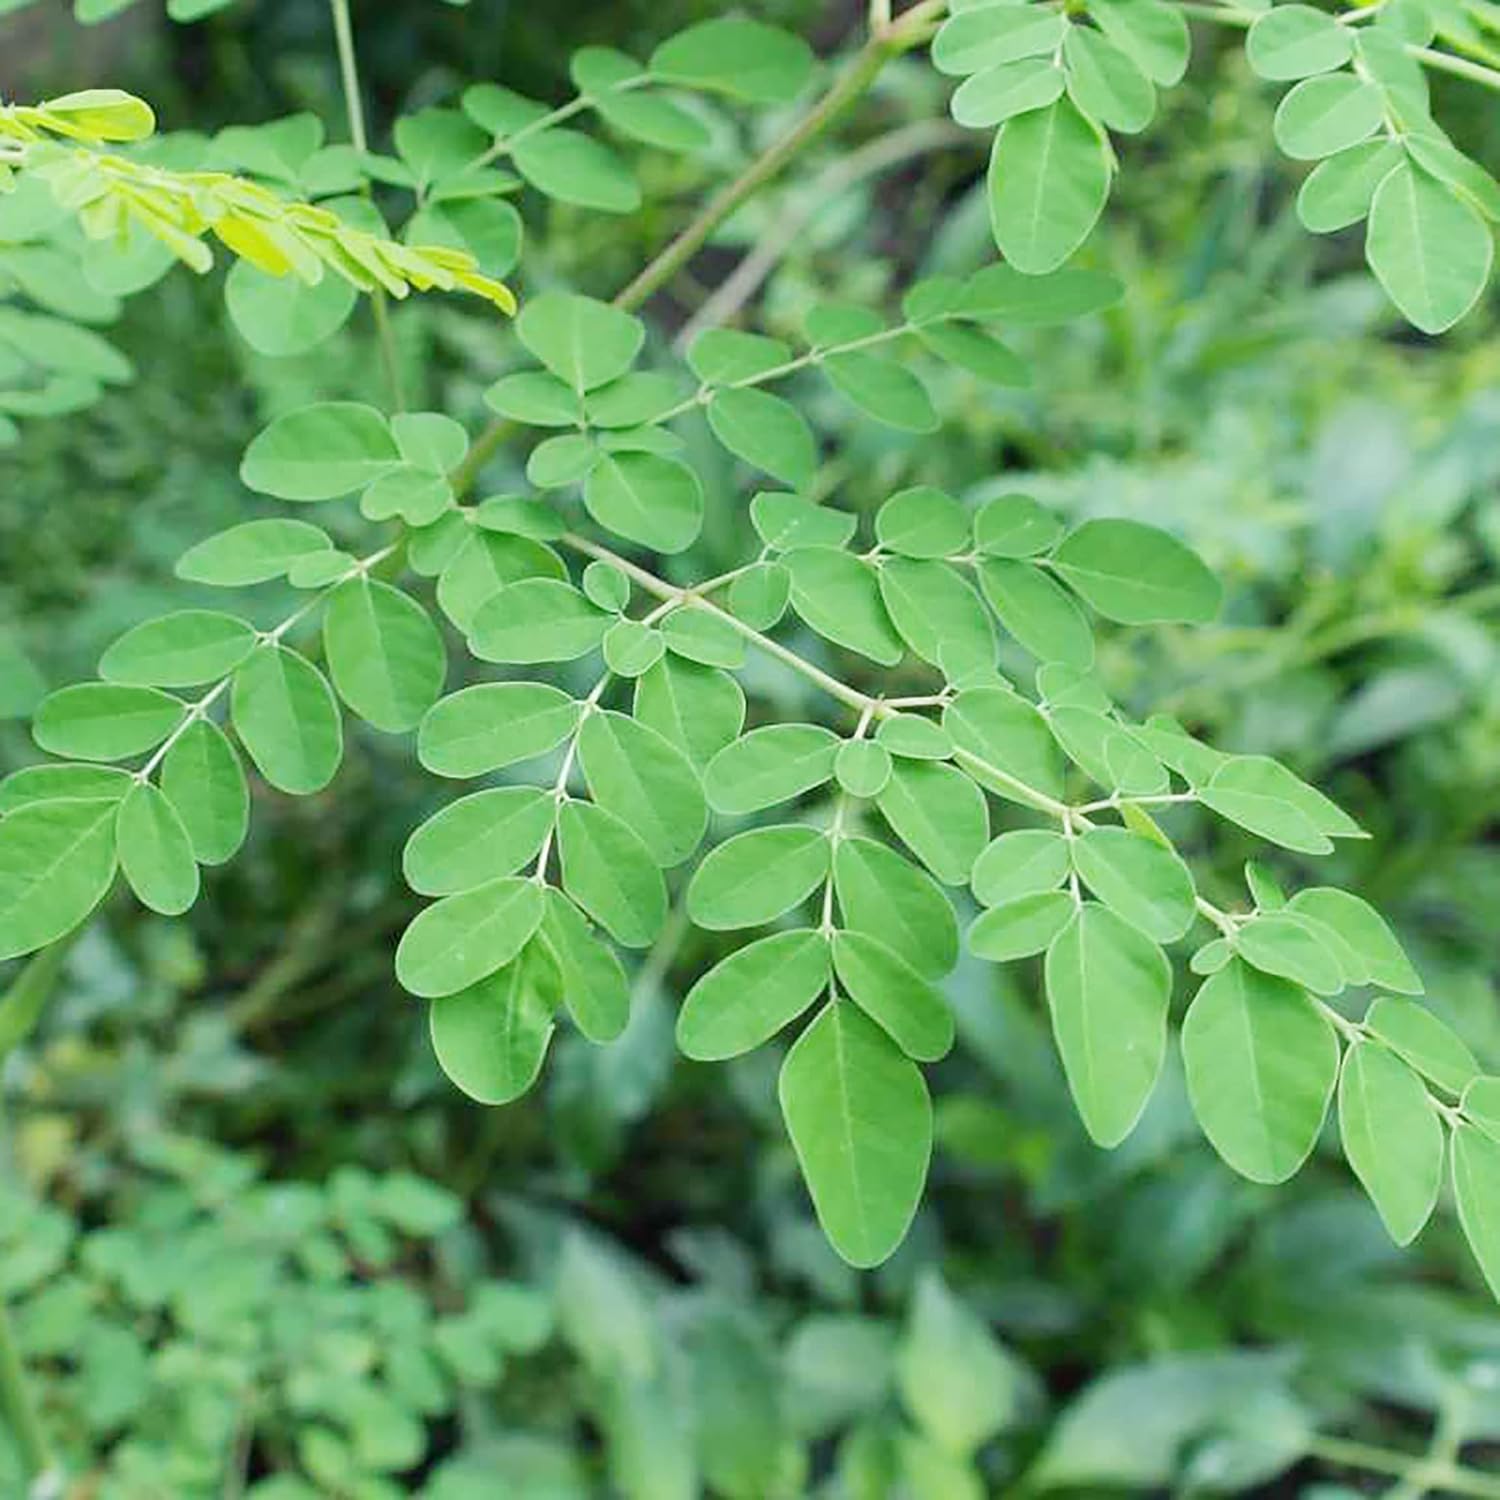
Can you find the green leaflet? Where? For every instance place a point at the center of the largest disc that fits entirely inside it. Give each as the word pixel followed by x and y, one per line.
pixel 57 861
pixel 646 498
pixel 50 782
pixel 1107 988
pixel 1137 574
pixel 584 343
pixel 1021 926
pixel 416 495
pixel 1261 1067
pixel 1282 943
pixel 575 168
pixel 1020 863
pixel 861 1123
pixel 1392 1137
pixel 1007 735
pixel 977 38
pixel 482 563
pixel 736 56
pixel 494 724
pixel 1042 616
pixel 156 853
pixel 881 893
pixel 1139 879
pixel 1106 83
pixel 183 649
pixel 1476 1187
pixel 282 316
pixel 320 452
pixel 922 522
pixel 536 620
pixel 756 876
pixel 1015 526
pixel 1049 178
pixel 1429 248
pixel 882 389
pixel 646 781
pixel 462 939
pixel 727 356
pixel 491 1038
pixel 862 768
pixel 770 765
pixel 1428 1044
pixel 610 873
pixel 100 721
pixel 1338 192
pixel 1369 953
pixel 906 1006
pixel 760 595
pixel 477 839
pixel 285 715
pixel 384 654
pixel 1109 752
pixel 939 814
pixel 838 595
pixel 251 552
pixel 765 431
pixel 594 987
pixel 787 522
pixel 990 98
pixel 704 636
pixel 1153 34
pixel 935 610
pixel 699 709
pixel 746 998
pixel 1296 41
pixel 1481 1105
pixel 1323 116
pixel 915 738
pixel 537 398
pixel 1259 794
pixel 631 648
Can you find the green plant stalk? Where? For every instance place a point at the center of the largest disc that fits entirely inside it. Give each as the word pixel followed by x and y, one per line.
pixel 900 36
pixel 1451 1477
pixel 343 36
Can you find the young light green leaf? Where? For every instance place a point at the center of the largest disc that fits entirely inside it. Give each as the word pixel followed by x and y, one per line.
pixel 50 782
pixel 415 495
pixel 769 765
pixel 1021 926
pixel 728 356
pixel 939 814
pixel 610 873
pixel 1481 1104
pixel 990 98
pixel 1154 34
pixel 575 168
pixel 155 851
pixel 1106 83
pixel 1107 987
pixel 100 721
pixel 861 1123
pixel 976 38
pixel 1392 1137
pixel 838 596
pixel 1338 192
pixel 881 893
pixel 765 431
pixel 477 839
pixel 1040 614
pixel 934 609
pixel 535 397
pixel 760 595
pixel 320 452
pixel 757 875
pixel 384 654
pixel 1020 863
pixel 1004 734
pixel 922 522
pixel 1429 248
pixel 482 563
pixel 1049 178
pixel 646 781
pixel 57 861
pixel 536 620
pixel 183 649
pixel 284 712
pixel 746 998
pixel 704 636
pixel 787 522
pixel 1139 879
pixel 595 990
pixel 882 389
pixel 646 498
pixel 1261 1067
pixel 1280 942
pixel 1263 796
pixel 491 1038
pixel 464 938
pixel 1015 526
pixel 906 1006
pixel 914 737
pixel 1137 574
pixel 203 780
pixel 1428 1044
pixel 584 343
pixel 494 724
pixel 631 648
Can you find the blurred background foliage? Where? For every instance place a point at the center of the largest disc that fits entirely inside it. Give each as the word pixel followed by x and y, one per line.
pixel 255 1243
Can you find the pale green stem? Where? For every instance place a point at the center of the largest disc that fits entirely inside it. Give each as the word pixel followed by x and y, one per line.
pixel 1451 1477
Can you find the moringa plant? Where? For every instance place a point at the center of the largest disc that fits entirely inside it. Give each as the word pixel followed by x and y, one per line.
pixel 959 762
